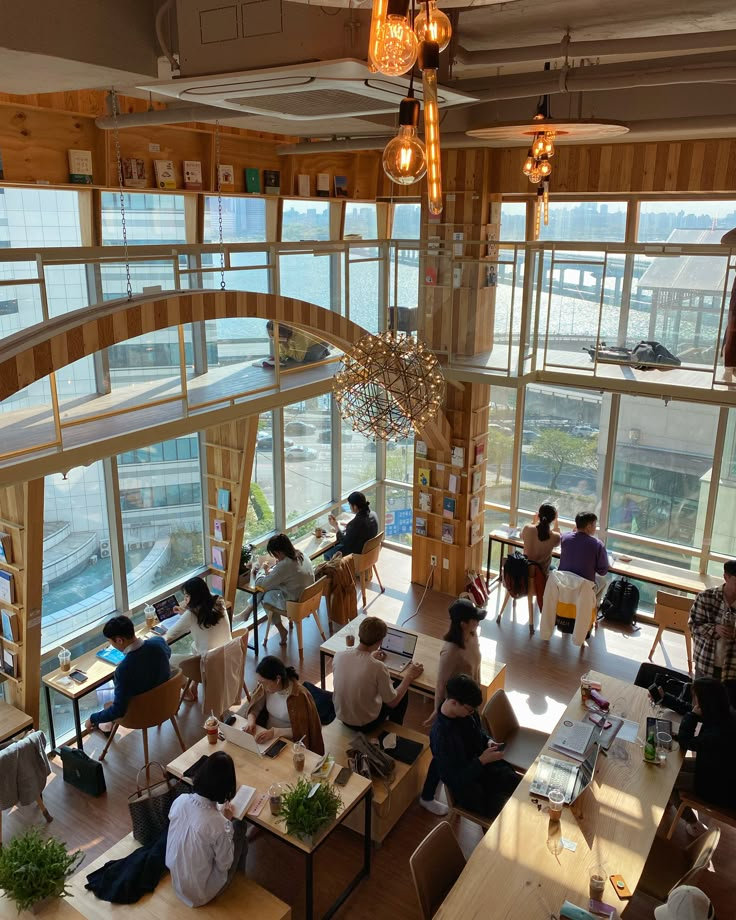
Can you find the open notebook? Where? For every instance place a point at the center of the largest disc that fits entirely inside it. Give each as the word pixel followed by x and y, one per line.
pixel 241 800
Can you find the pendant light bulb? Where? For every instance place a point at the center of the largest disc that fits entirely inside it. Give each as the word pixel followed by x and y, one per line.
pixel 429 61
pixel 549 143
pixel 528 163
pixel 538 145
pixel 432 25
pixel 396 43
pixel 404 157
pixel 545 167
pixel 378 17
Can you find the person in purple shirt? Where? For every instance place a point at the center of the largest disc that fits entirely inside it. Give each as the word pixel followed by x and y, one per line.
pixel 583 553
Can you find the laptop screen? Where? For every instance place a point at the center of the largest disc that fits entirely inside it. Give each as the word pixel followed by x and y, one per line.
pixel 399 642
pixel 587 767
pixel 165 608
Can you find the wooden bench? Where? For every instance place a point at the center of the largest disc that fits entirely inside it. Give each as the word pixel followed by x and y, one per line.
pixel 243 898
pixel 389 804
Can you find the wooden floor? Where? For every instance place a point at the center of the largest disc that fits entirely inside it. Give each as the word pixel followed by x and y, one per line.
pixel 540 678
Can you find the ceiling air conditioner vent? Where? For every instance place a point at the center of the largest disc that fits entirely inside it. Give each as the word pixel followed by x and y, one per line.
pixel 326 103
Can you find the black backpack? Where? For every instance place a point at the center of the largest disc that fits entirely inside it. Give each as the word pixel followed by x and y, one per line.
pixel 620 603
pixel 516 575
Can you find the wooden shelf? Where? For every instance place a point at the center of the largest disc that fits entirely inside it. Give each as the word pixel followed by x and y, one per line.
pixel 232 482
pixel 18 527
pixel 11 565
pixel 218 510
pixel 16 608
pixel 13 646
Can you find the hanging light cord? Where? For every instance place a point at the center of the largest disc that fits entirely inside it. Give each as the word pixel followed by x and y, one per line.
pixel 219 205
pixel 119 163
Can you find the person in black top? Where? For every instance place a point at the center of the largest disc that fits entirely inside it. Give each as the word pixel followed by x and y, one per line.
pixel 362 528
pixel 709 730
pixel 470 763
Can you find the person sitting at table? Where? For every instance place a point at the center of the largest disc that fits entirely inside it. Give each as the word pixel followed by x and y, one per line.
pixel 281 708
pixel 205 846
pixel 582 553
pixel 540 538
pixel 295 347
pixel 204 615
pixel 364 694
pixel 286 580
pixel 460 654
pixel 711 623
pixel 356 533
pixel 145 666
pixel 469 762
pixel 709 730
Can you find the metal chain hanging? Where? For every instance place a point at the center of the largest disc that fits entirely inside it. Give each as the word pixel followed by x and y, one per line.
pixel 119 162
pixel 219 205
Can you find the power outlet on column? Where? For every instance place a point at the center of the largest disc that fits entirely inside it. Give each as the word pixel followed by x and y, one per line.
pixel 433 561
pixel 445 563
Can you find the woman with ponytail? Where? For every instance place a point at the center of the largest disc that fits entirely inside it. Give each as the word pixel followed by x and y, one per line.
pixel 542 536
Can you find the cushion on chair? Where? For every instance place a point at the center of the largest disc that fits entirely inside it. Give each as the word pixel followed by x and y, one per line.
pixel 523 747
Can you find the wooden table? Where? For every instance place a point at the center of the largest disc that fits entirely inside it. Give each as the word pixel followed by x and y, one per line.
pixel 261 772
pixel 513 869
pixel 56 909
pixel 12 721
pixel 314 548
pixel 427 652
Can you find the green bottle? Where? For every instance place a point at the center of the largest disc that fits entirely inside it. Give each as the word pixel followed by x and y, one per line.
pixel 650 748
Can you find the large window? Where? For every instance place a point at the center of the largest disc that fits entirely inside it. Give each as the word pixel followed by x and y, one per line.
pixel 358 459
pixel 500 449
pixel 513 221
pixel 404 269
pixel 399 519
pixel 360 221
pixel 304 220
pixel 260 520
pixel 596 221
pixel 673 221
pixel 308 457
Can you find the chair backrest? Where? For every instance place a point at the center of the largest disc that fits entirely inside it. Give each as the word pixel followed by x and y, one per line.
pixel 436 865
pixel 154 706
pixel 309 599
pixel 365 561
pixel 499 716
pixel 672 611
pixel 699 854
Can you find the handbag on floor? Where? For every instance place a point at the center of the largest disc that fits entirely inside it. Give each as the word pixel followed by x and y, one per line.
pixel 81 771
pixel 149 805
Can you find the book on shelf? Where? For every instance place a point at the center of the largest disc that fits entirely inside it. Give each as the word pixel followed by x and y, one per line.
pixel 476 481
pixel 80 167
pixel 192 170
pixel 323 185
pixel 425 501
pixel 134 172
pixel 448 533
pixel 475 506
pixel 448 507
pixel 6 547
pixel 457 276
pixel 430 274
pixel 424 477
pixel 480 452
pixel 420 448
pixel 220 530
pixel 165 174
pixel 453 482
pixel 458 456
pixel 272 181
pixel 111 655
pixel 252 177
pixel 433 243
pixel 341 186
pixel 223 499
pixel 420 526
pixel 10 662
pixel 6 588
pixel 11 630
pixel 457 246
pixel 218 557
pixel 217 584
pixel 434 218
pixel 475 533
pixel 225 178
pixel 304 185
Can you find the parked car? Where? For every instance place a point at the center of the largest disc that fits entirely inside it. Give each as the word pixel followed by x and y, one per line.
pixel 300 453
pixel 584 431
pixel 265 442
pixel 528 436
pixel 299 428
pixel 325 437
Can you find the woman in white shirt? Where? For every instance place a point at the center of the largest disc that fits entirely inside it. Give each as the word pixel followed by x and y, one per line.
pixel 286 580
pixel 204 616
pixel 205 847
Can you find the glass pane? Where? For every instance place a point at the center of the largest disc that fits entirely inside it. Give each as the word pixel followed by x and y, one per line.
pixel 661 557
pixel 403 289
pixel 399 515
pixel 20 305
pixel 400 460
pixel 500 447
pixel 724 522
pixel 304 220
pixel 39 217
pixel 307 277
pixel 596 221
pixel 406 223
pixel 243 220
pixel 358 459
pixel 513 221
pixel 365 289
pixel 161 505
pixel 77 574
pixel 150 218
pixel 360 221
pixel 307 458
pixel 560 444
pixel 663 458
pixel 66 289
pixel 260 519
pixel 27 418
pixel 676 221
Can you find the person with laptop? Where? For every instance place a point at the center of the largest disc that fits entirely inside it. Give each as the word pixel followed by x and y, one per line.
pixel 364 694
pixel 281 708
pixel 285 580
pixel 204 615
pixel 145 666
pixel 470 764
pixel 582 553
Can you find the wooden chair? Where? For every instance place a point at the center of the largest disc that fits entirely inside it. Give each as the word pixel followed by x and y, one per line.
pixel 671 611
pixel 436 865
pixel 690 800
pixel 365 563
pixel 522 744
pixel 530 604
pixel 297 611
pixel 669 866
pixel 460 812
pixel 239 635
pixel 154 707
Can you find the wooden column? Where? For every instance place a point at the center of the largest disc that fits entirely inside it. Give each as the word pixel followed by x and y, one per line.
pixel 230 450
pixel 22 522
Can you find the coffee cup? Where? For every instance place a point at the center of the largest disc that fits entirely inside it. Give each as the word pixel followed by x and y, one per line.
pixel 149 611
pixel 275 793
pixel 597 883
pixel 350 638
pixel 65 660
pixel 299 755
pixel 318 532
pixel 556 803
pixel 212 727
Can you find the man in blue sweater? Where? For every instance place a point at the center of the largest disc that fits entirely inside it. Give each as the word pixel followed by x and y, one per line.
pixel 145 666
pixel 469 762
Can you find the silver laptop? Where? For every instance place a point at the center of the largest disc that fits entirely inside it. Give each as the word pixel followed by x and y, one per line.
pixel 398 648
pixel 235 735
pixel 573 779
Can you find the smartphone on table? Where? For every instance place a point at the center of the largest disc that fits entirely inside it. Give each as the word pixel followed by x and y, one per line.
pixel 275 749
pixel 78 676
pixel 343 776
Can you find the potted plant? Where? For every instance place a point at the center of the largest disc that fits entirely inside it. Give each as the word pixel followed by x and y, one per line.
pixel 34 869
pixel 246 559
pixel 305 812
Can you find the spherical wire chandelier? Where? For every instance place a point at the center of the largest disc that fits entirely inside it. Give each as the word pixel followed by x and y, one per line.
pixel 389 386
